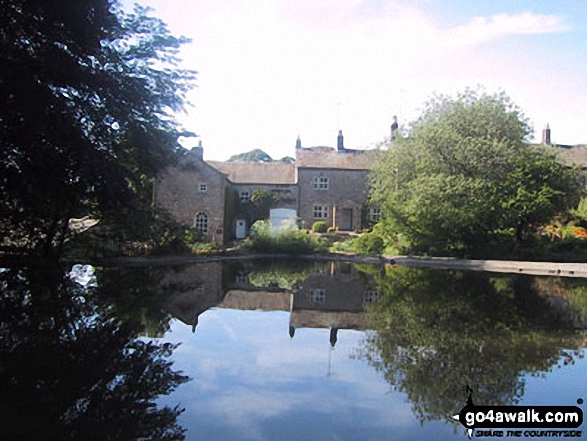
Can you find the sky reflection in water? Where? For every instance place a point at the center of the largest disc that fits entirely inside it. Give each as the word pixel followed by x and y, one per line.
pixel 71 362
pixel 251 381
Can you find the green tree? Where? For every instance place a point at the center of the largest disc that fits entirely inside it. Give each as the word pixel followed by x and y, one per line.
pixel 256 155
pixel 465 172
pixel 87 94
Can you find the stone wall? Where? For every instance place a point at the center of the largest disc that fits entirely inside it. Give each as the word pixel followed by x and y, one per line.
pixel 194 187
pixel 344 198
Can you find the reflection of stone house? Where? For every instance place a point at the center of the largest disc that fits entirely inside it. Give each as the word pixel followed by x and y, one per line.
pixel 333 297
pixel 323 184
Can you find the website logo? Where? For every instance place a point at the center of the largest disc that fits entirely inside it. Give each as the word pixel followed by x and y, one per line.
pixel 524 419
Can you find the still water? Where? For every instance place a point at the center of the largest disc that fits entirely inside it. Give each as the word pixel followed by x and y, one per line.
pixel 290 350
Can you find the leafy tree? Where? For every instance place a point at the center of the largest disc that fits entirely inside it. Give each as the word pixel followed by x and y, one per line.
pixel 259 155
pixel 256 155
pixel 258 207
pixel 87 94
pixel 466 173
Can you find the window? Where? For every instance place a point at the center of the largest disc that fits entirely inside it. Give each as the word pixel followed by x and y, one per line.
pixel 244 196
pixel 203 188
pixel 320 211
pixel 201 223
pixel 317 295
pixel 371 296
pixel 374 214
pixel 242 277
pixel 321 183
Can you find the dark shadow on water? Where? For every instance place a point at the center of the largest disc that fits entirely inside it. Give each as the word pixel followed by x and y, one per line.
pixel 70 369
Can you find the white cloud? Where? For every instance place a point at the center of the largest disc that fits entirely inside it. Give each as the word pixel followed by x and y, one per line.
pixel 483 29
pixel 271 70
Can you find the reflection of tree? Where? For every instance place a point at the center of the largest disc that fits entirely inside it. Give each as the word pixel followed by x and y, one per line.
pixel 286 274
pixel 70 370
pixel 438 331
pixel 138 296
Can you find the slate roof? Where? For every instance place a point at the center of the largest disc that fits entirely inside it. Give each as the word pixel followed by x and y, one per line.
pixel 270 173
pixel 572 155
pixel 331 158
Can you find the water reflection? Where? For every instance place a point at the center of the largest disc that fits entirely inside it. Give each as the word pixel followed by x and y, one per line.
pixel 71 369
pixel 432 333
pixel 469 329
pixel 317 295
pixel 72 363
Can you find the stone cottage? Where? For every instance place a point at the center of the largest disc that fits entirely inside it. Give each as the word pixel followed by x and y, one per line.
pixel 324 184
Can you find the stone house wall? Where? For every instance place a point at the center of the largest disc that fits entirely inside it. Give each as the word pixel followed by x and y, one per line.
pixel 194 187
pixel 342 201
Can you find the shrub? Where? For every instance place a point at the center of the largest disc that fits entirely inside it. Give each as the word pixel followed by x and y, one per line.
pixel 319 227
pixel 290 241
pixel 369 243
pixel 345 246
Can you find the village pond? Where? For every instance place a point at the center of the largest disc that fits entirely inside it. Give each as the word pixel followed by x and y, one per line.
pixel 288 350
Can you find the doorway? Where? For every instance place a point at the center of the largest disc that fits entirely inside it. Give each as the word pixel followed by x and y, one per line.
pixel 347 219
pixel 241 229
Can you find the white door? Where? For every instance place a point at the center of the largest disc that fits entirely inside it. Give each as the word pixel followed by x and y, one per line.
pixel 241 229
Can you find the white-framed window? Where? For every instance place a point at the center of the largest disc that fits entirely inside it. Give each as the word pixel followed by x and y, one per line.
pixel 317 295
pixel 321 183
pixel 374 214
pixel 203 188
pixel 320 211
pixel 201 222
pixel 244 196
pixel 371 296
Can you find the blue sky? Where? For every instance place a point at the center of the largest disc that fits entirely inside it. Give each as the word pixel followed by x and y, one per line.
pixel 270 70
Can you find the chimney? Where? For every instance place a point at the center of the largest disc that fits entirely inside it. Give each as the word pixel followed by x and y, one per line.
pixel 199 150
pixel 546 135
pixel 298 144
pixel 394 127
pixel 340 141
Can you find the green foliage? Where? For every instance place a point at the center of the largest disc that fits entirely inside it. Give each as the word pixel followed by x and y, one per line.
pixel 465 172
pixel 256 155
pixel 87 97
pixel 264 239
pixel 288 274
pixel 369 243
pixel 258 207
pixel 580 212
pixel 375 242
pixel 345 246
pixel 468 328
pixel 319 227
